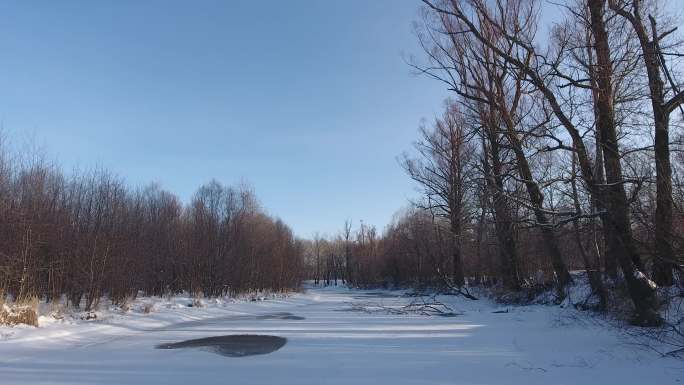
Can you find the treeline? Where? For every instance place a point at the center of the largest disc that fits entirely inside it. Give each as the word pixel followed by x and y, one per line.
pixel 554 153
pixel 87 235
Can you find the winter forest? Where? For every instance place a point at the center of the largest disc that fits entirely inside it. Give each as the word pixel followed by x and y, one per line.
pixel 548 209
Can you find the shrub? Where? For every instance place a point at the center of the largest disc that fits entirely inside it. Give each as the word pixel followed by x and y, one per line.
pixel 147 308
pixel 23 312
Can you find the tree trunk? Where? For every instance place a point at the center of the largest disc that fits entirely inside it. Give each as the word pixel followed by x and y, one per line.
pixel 664 263
pixel 598 199
pixel 563 277
pixel 503 222
pixel 665 260
pixel 592 266
pixel 457 263
pixel 641 292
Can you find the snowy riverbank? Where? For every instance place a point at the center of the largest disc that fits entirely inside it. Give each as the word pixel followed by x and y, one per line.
pixel 334 336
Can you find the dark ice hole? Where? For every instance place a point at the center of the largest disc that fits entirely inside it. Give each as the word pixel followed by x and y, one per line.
pixel 236 345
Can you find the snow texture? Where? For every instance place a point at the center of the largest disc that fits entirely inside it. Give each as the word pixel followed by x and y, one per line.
pixel 334 336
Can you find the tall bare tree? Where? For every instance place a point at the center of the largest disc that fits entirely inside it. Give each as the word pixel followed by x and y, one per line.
pixel 507 19
pixel 650 40
pixel 442 172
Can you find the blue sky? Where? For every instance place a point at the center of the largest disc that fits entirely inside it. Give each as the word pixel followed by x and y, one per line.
pixel 309 101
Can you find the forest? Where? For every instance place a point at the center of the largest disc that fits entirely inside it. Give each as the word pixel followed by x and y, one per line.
pixel 552 157
pixel 87 235
pixel 548 159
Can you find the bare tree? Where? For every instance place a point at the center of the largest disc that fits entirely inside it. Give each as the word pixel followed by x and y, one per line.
pixel 442 172
pixel 662 105
pixel 508 20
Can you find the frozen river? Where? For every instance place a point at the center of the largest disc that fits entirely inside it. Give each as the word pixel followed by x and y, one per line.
pixel 330 336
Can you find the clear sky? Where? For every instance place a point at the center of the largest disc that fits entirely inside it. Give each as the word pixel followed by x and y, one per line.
pixel 309 101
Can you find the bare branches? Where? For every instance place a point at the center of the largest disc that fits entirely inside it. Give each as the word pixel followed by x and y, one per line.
pixel 674 102
pixel 88 235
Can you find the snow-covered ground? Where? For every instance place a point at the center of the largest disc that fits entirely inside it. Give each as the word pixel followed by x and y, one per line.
pixel 336 342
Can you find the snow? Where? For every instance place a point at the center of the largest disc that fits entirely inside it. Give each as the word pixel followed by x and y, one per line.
pixel 345 337
pixel 642 277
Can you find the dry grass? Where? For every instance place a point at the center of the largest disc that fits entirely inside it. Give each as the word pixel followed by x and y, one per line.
pixel 126 304
pixel 148 308
pixel 197 299
pixel 23 312
pixel 57 309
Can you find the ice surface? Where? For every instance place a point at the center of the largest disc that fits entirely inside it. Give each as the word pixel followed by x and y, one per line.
pixel 483 343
